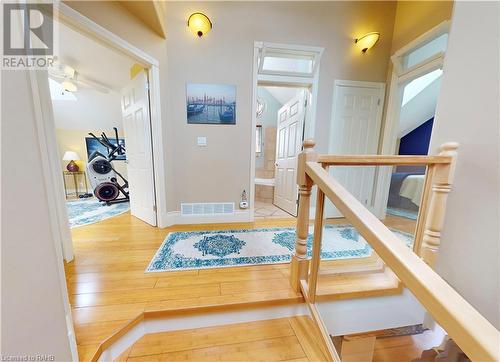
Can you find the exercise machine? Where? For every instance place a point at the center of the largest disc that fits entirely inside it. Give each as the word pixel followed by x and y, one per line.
pixel 103 176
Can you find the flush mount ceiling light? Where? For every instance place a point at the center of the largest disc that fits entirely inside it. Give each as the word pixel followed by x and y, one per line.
pixel 367 41
pixel 199 24
pixel 69 86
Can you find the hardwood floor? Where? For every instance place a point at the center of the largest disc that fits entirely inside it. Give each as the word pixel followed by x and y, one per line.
pixel 283 339
pixel 107 285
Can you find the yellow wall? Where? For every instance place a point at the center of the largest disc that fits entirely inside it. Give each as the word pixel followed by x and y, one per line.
pixel 413 18
pixel 74 140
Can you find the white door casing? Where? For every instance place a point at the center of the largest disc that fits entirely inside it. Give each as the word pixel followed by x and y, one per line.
pixel 355 129
pixel 289 137
pixel 138 144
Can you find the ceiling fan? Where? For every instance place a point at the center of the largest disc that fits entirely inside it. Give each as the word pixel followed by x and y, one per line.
pixel 71 79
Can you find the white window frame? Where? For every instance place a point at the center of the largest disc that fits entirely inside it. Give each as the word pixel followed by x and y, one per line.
pixel 288 51
pixel 400 77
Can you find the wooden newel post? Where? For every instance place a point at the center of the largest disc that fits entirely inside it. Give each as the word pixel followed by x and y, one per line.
pixel 300 264
pixel 442 181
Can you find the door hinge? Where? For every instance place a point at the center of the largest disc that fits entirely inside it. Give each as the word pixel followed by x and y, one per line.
pixel 147 86
pixel 305 102
pixel 378 102
pixel 154 208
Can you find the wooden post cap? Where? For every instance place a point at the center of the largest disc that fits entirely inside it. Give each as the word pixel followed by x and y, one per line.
pixel 449 146
pixel 309 143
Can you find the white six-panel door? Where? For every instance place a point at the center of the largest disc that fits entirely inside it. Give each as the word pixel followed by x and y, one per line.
pixel 355 129
pixel 288 145
pixel 137 127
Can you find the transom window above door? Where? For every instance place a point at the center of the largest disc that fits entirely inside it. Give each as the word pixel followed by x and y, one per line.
pixel 425 51
pixel 283 59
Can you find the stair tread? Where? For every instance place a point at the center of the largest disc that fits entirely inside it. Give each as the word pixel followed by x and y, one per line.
pixel 273 339
pixel 357 265
pixel 345 286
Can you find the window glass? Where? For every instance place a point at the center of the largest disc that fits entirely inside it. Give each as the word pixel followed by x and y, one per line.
pixel 426 51
pixel 288 63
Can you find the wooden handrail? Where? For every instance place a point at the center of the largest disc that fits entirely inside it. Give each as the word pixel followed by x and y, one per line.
pixel 382 160
pixel 471 331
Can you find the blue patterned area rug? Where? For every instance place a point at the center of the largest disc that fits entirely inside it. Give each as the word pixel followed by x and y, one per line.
pixel 89 211
pixel 225 248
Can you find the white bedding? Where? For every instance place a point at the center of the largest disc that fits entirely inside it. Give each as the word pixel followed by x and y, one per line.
pixel 412 187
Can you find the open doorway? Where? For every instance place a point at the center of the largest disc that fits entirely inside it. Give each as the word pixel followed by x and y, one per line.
pixel 414 91
pixel 416 119
pixel 279 132
pixel 101 108
pixel 285 88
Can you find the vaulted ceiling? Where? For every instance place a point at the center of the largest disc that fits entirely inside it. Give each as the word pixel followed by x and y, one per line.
pixel 151 13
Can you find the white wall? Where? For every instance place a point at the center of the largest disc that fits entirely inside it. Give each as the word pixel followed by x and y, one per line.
pixel 33 298
pixel 468 112
pixel 221 171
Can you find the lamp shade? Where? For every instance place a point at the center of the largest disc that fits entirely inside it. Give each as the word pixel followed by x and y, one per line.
pixel 367 41
pixel 199 24
pixel 71 156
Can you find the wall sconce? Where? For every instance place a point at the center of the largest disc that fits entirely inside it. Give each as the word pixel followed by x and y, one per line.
pixel 199 24
pixel 367 41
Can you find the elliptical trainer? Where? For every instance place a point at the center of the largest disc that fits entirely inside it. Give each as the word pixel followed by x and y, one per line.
pixel 102 175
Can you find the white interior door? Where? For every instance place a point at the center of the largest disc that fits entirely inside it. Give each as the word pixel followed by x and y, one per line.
pixel 288 145
pixel 137 128
pixel 355 129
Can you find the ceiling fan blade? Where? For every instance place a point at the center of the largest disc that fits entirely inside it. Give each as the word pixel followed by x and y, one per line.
pixel 92 84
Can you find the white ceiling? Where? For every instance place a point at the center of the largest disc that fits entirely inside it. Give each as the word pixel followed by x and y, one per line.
pixel 283 94
pixel 420 108
pixel 92 109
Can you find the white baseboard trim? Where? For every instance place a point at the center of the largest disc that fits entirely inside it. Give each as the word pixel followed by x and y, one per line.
pixel 175 218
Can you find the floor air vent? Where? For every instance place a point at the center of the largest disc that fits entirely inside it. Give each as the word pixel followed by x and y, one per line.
pixel 213 208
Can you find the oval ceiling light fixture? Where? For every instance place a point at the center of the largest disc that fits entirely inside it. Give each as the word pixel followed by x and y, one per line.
pixel 199 24
pixel 69 86
pixel 367 41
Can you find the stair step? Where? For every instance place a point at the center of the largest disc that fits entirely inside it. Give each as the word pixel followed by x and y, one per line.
pixel 352 266
pixel 271 340
pixel 357 285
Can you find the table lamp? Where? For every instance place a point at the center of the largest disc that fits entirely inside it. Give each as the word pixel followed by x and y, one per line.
pixel 71 156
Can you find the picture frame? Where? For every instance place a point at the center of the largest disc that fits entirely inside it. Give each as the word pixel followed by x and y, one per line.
pixel 211 104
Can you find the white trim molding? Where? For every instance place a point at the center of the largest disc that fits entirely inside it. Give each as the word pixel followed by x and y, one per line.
pixel 399 79
pixel 282 79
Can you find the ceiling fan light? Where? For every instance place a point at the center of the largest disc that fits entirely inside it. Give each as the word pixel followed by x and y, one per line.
pixel 69 71
pixel 69 86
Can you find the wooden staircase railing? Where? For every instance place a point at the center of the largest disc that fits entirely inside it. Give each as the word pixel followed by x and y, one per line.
pixel 470 330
